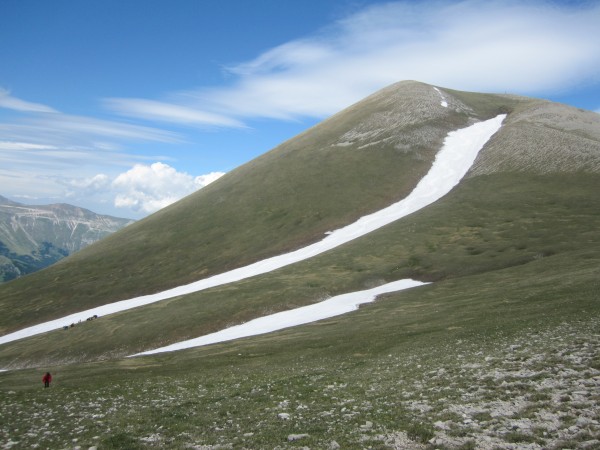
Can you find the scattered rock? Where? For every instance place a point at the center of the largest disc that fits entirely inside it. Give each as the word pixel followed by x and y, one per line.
pixel 442 425
pixel 296 437
pixel 367 426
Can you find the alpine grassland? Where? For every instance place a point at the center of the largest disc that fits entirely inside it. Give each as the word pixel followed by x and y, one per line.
pixel 461 361
pixel 500 350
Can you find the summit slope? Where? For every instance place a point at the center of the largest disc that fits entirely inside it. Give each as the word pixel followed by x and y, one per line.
pixel 451 163
pixel 352 164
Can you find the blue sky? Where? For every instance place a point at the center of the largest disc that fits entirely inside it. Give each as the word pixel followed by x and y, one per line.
pixel 123 107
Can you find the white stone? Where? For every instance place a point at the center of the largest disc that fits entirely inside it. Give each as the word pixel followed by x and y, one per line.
pixel 441 425
pixel 367 426
pixel 296 437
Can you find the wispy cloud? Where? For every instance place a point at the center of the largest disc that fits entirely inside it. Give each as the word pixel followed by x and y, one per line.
pixel 58 155
pixel 92 184
pixel 44 149
pixel 169 112
pixel 54 129
pixel 520 47
pixel 44 171
pixel 9 102
pixel 9 145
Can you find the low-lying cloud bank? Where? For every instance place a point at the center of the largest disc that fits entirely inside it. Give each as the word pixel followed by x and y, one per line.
pixel 143 188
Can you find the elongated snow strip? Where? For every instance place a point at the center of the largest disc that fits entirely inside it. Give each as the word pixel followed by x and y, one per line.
pixel 451 163
pixel 334 306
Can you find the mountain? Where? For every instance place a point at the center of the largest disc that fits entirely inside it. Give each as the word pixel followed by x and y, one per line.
pixel 34 237
pixel 352 164
pixel 498 350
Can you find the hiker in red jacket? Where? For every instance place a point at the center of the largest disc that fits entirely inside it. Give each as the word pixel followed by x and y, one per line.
pixel 46 379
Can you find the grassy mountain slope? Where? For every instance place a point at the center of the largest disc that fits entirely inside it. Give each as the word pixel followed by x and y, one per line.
pixel 478 228
pixel 502 359
pixel 500 351
pixel 491 221
pixel 354 163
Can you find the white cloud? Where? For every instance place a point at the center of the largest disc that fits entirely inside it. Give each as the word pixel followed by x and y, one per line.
pixel 59 160
pixel 80 129
pixel 95 183
pixel 53 155
pixel 168 112
pixel 204 180
pixel 492 46
pixel 523 48
pixel 150 188
pixel 38 130
pixel 10 145
pixel 14 103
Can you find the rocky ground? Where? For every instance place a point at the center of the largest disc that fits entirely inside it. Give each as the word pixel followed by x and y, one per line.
pixel 541 391
pixel 533 391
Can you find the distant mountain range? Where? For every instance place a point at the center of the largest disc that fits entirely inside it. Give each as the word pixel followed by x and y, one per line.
pixel 34 237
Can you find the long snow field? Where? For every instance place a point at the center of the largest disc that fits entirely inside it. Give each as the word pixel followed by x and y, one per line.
pixel 331 307
pixel 452 162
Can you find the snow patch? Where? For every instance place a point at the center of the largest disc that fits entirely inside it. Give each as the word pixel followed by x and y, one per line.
pixel 335 306
pixel 444 103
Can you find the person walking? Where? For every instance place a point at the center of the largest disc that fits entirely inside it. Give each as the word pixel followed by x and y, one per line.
pixel 46 379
